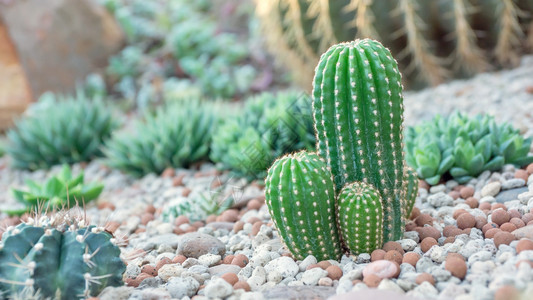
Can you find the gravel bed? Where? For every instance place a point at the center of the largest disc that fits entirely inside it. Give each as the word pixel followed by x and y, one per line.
pixel 471 241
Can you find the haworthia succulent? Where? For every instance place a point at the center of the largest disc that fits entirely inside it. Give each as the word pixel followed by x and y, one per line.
pixel 360 217
pixel 358 112
pixel 300 196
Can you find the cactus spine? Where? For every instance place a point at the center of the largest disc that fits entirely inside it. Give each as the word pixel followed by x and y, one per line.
pixel 300 196
pixel 360 217
pixel 358 111
pixel 66 264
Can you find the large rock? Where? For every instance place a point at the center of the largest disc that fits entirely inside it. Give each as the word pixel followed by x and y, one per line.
pixel 57 42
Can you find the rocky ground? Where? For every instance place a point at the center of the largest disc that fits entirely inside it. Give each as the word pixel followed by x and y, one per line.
pixel 472 241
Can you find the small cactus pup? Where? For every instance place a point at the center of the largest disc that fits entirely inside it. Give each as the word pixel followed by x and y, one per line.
pixel 411 191
pixel 58 260
pixel 300 196
pixel 360 217
pixel 358 112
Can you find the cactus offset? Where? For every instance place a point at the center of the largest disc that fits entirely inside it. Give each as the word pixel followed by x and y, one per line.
pixel 411 191
pixel 300 196
pixel 358 111
pixel 360 217
pixel 67 264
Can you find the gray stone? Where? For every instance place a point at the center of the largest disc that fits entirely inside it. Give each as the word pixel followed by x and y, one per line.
pixel 218 288
pixel 116 293
pixel 408 244
pixel 311 277
pixel 274 276
pixel 180 287
pixel 524 232
pixel 169 239
pixel 209 259
pixel 491 189
pixel 363 258
pixel 284 265
pixel 151 282
pixel 451 291
pixel 221 225
pixel 513 183
pixel 309 260
pixel 132 270
pixel 510 194
pixel 427 289
pixel 440 199
pixel 424 265
pixel 197 244
pixel 223 269
pixel 170 270
pixel 150 293
pixel 299 292
pixel 387 284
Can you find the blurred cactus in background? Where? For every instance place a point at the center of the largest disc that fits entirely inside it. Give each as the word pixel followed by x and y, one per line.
pixel 437 39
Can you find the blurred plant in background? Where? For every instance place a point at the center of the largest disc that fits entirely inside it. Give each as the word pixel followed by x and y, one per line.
pixel 60 130
pixel 270 125
pixel 176 135
pixel 179 47
pixel 464 147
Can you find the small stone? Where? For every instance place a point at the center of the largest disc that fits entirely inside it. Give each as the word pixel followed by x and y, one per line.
pixel 381 268
pixel 325 281
pixel 491 189
pixel 472 202
pixel 513 183
pixel 163 261
pixel 411 258
pixel 524 245
pixel 440 199
pixel 424 219
pixel 509 227
pixel 230 278
pixel 391 245
pixel 489 226
pixel 218 288
pixel 197 244
pixel 529 168
pixel 284 265
pixel 427 243
pixel 425 277
pixel 334 272
pixel 491 233
pixel 240 260
pixel 387 284
pixel 209 259
pixel 451 230
pixel 311 277
pixel 372 280
pixel 500 216
pixel 466 221
pixel 179 259
pixel 466 192
pixel 309 260
pixel 222 269
pixel 507 292
pixel 377 254
pixel 480 222
pixel 503 237
pixel 394 255
pixel 150 270
pixel 242 285
pixel 428 231
pixel 517 222
pixel 324 264
pixel 456 266
pixel 274 276
pixel 180 287
pixel 527 217
pixel 170 270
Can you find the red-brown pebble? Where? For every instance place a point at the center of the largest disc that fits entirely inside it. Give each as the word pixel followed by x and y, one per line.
pixel 467 231
pixel 411 258
pixel 179 259
pixel 242 285
pixel 456 255
pixel 252 220
pixel 372 280
pixel 507 292
pixel 529 223
pixel 391 245
pixel 139 279
pixel 178 180
pixel 168 172
pixel 427 243
pixel 495 206
pixel 210 219
pixel 312 266
pixel 524 244
pixel 522 174
pixel 238 226
pixel 424 219
pixel 456 266
pixel 514 213
pixel 484 206
pixel 503 237
pixel 148 269
pixel 254 204
pixel 377 254
pixel 491 233
pixel 324 264
pixel 162 262
pixel 466 220
pixel 146 217
pixel 480 222
pixel 529 168
pixel 394 255
pixel 410 226
pixel 458 212
pixel 230 278
pixel 256 227
pixel 230 215
pixel 489 226
pixel 425 277
pixel 500 216
pixel 240 260
pixel 334 272
pixel 448 240
pixel 186 191
pixel 181 220
pixel 527 217
pixel 509 227
pixel 454 194
pixel 228 259
pixel 428 231
pixel 517 222
pixel 111 226
pixel 451 230
pixel 467 192
pixel 414 213
pixel 472 202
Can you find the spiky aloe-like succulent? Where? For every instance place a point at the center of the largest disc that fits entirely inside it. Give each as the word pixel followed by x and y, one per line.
pixel 418 32
pixel 358 112
pixel 58 191
pixel 64 261
pixel 464 147
pixel 60 130
pixel 300 195
pixel 176 136
pixel 360 217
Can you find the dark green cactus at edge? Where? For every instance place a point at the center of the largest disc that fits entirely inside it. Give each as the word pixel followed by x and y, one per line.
pixel 300 196
pixel 358 111
pixel 65 264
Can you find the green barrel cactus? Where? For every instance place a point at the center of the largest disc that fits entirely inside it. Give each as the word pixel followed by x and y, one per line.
pixel 358 112
pixel 300 195
pixel 63 262
pixel 360 217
